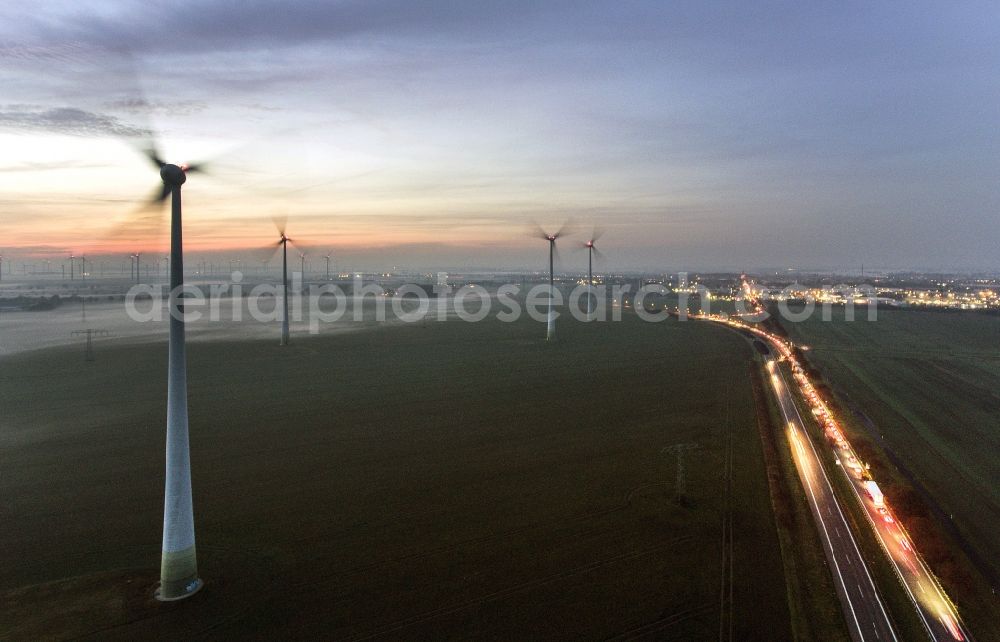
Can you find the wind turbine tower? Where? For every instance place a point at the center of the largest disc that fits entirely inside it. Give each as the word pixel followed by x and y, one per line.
pixel 283 242
pixel 550 327
pixel 178 561
pixel 591 246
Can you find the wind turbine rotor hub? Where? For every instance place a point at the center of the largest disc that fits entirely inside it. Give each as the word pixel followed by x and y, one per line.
pixel 173 175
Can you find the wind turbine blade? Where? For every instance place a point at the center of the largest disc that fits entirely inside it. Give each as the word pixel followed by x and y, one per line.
pixel 145 224
pixel 536 230
pixel 153 155
pixel 566 229
pixel 280 222
pixel 127 97
pixel 599 255
pixel 266 253
pixel 159 196
pixel 596 234
pixel 303 247
pixel 147 220
pixel 198 168
pixel 556 257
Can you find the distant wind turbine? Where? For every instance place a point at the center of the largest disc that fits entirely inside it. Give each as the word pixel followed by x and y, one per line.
pixel 550 328
pixel 591 246
pixel 281 223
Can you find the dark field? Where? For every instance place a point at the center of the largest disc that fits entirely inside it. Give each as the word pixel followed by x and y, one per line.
pixel 439 480
pixel 928 385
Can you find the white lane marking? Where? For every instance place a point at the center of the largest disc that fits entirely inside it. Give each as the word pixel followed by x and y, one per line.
pixel 843 519
pixel 864 566
pixel 782 404
pixel 876 524
pixel 812 495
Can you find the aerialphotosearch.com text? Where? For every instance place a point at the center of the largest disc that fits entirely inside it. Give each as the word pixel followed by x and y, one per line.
pixel 321 303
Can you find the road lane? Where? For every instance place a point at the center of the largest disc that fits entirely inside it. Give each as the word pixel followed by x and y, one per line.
pixel 936 611
pixel 866 616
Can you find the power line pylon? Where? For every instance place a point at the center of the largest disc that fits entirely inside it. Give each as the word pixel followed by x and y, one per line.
pixel 679 450
pixel 90 333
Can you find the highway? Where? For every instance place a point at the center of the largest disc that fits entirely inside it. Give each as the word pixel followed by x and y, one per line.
pixel 867 618
pixel 936 611
pixel 864 610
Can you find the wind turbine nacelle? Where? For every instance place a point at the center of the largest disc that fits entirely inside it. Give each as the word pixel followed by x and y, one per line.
pixel 172 175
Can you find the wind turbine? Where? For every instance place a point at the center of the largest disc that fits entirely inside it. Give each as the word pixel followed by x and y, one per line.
pixel 591 246
pixel 72 258
pixel 178 561
pixel 550 328
pixel 327 257
pixel 283 242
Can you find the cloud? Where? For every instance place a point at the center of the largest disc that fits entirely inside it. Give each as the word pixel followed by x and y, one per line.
pixel 66 120
pixel 45 167
pixel 199 26
pixel 143 106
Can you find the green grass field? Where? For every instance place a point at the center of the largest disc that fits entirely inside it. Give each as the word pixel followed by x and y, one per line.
pixel 925 388
pixel 439 480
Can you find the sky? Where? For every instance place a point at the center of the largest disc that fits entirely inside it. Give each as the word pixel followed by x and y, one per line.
pixel 696 135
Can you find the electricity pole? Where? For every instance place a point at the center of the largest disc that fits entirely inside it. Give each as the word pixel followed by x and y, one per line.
pixel 679 450
pixel 90 333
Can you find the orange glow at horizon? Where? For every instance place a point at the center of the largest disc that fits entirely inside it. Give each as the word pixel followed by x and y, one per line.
pixel 94 208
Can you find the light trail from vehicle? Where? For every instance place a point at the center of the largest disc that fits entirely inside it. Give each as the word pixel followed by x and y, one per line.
pixel 937 612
